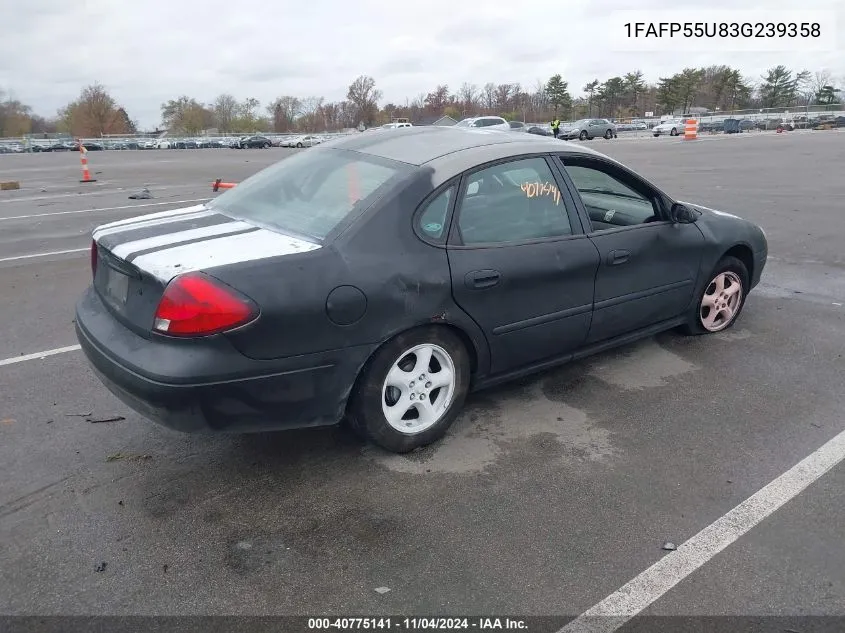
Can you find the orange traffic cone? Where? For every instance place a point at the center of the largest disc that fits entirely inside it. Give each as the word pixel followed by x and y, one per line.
pixel 83 158
pixel 218 184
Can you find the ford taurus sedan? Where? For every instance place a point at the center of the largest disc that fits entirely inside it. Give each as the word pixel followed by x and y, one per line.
pixel 380 278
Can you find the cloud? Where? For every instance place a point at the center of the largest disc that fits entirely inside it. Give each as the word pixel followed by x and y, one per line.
pixel 151 51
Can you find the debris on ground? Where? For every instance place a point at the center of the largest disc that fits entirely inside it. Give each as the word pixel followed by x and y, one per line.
pixel 144 194
pixel 79 415
pixel 7 422
pixel 120 503
pixel 117 418
pixel 669 546
pixel 382 590
pixel 164 568
pixel 101 567
pixel 128 456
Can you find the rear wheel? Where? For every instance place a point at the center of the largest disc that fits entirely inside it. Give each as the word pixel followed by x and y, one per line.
pixel 299 144
pixel 718 306
pixel 411 391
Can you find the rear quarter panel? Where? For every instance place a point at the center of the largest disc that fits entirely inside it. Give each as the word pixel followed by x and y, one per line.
pixel 405 283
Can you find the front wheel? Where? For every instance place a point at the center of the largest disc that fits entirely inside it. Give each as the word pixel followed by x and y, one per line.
pixel 608 135
pixel 299 144
pixel 411 391
pixel 674 132
pixel 583 135
pixel 718 306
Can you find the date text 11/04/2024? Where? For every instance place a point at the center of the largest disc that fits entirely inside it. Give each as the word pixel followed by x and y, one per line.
pixel 723 29
pixel 417 624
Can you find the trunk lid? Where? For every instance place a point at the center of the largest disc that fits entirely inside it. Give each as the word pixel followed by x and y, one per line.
pixel 136 258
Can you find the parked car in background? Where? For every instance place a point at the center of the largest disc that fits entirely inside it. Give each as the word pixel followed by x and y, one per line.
pixel 486 122
pixel 538 130
pixel 396 125
pixel 672 127
pixel 60 146
pixel 254 142
pixel 587 129
pixel 91 146
pixel 309 140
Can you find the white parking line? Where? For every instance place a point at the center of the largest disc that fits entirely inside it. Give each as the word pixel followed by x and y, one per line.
pixel 614 611
pixel 38 355
pixel 121 208
pixel 47 254
pixel 99 192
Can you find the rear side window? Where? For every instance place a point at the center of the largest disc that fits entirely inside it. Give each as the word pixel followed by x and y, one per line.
pixel 432 220
pixel 310 193
pixel 512 202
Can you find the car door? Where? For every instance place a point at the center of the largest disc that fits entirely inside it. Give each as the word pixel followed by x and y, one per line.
pixel 649 265
pixel 521 266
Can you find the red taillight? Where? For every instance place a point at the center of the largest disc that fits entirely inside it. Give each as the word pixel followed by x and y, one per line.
pixel 94 258
pixel 195 304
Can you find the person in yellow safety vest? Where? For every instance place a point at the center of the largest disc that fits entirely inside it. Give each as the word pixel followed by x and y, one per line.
pixel 556 127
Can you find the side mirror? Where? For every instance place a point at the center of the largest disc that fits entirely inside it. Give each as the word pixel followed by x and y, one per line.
pixel 682 214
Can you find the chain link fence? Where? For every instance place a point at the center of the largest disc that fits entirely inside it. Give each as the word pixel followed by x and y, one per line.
pixel 747 121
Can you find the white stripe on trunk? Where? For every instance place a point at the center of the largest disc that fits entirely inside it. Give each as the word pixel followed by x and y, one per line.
pixel 125 250
pixel 231 249
pixel 100 231
pixel 152 216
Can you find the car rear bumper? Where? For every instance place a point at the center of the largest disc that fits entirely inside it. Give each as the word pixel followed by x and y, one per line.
pixel 207 385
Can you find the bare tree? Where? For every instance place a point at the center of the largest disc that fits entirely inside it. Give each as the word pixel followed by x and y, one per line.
pixel 820 79
pixel 311 117
pixel 225 111
pixel 284 111
pixel 94 110
pixel 186 114
pixel 489 95
pixel 364 95
pixel 468 95
pixel 436 100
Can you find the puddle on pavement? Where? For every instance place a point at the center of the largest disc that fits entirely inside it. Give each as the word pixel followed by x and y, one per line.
pixel 492 424
pixel 640 366
pixel 484 432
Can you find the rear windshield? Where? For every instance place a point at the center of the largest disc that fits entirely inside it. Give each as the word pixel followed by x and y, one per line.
pixel 310 193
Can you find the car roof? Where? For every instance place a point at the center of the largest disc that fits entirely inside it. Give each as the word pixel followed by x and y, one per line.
pixel 422 144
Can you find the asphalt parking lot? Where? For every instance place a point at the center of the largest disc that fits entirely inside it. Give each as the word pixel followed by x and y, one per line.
pixel 547 496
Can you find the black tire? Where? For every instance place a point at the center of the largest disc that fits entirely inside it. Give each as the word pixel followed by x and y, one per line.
pixel 656 135
pixel 694 326
pixel 266 145
pixel 608 135
pixel 583 135
pixel 674 132
pixel 299 144
pixel 364 411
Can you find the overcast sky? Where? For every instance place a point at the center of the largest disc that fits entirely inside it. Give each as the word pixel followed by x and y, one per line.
pixel 148 51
